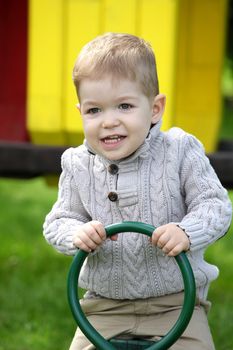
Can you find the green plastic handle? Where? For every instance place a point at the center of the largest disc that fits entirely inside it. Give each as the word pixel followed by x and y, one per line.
pixel 189 292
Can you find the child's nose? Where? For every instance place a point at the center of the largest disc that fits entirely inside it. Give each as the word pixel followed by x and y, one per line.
pixel 110 121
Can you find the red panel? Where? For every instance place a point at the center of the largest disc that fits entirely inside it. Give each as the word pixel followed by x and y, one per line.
pixel 13 69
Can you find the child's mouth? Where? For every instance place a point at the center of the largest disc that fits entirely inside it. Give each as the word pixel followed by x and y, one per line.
pixel 113 139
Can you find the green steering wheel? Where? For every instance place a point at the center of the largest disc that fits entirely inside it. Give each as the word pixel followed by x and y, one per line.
pixel 189 292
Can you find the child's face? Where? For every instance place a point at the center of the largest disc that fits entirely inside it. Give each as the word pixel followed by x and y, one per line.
pixel 117 116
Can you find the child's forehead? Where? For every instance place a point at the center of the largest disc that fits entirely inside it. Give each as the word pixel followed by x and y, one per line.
pixel 111 82
pixel 109 90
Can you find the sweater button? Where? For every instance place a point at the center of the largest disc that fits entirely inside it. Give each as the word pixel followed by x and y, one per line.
pixel 113 169
pixel 112 196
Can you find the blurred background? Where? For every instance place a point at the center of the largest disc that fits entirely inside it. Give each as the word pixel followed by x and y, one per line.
pixel 39 42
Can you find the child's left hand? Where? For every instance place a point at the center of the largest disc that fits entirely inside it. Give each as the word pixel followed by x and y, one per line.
pixel 171 239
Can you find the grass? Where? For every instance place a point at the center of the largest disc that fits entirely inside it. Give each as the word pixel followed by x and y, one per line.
pixel 226 129
pixel 221 291
pixel 34 313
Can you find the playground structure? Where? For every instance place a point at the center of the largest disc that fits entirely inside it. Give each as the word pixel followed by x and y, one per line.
pixel 38 117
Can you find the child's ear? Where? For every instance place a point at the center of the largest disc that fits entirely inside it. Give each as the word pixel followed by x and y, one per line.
pixel 158 107
pixel 78 107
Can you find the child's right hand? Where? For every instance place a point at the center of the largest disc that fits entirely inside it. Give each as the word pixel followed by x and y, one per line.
pixel 90 235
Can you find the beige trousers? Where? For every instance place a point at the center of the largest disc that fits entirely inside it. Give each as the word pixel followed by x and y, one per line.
pixel 144 318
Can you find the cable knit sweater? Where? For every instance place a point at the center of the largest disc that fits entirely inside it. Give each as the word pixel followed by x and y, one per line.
pixel 168 179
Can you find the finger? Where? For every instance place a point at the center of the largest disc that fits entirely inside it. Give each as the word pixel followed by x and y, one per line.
pixel 157 234
pixel 168 246
pixel 91 232
pixel 94 237
pixel 163 240
pixel 99 228
pixel 114 238
pixel 81 245
pixel 176 250
pixel 90 238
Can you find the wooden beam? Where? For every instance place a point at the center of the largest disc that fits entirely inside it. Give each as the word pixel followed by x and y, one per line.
pixel 25 160
pixel 222 162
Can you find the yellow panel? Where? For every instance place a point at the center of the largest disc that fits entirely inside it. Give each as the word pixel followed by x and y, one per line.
pixel 187 37
pixel 82 20
pixel 158 25
pixel 45 71
pixel 153 20
pixel 200 54
pixel 95 18
pixel 119 16
pixel 206 31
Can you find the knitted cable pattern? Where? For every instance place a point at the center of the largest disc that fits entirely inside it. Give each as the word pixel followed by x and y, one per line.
pixel 168 179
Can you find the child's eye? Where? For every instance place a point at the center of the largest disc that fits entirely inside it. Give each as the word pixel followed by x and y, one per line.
pixel 93 110
pixel 125 106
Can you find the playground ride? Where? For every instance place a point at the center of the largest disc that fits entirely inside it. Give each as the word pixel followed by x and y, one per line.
pixel 90 332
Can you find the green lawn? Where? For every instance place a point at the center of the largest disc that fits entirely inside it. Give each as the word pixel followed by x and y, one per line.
pixel 226 129
pixel 34 313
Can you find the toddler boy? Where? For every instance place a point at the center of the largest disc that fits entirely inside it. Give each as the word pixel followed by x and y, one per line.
pixel 128 170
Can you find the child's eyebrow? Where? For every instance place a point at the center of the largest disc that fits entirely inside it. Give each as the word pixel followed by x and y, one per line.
pixel 90 103
pixel 117 100
pixel 126 98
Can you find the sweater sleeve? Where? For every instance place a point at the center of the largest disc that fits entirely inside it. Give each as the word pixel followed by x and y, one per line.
pixel 209 209
pixel 68 213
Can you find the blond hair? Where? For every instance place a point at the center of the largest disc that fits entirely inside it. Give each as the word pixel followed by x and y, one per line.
pixel 120 56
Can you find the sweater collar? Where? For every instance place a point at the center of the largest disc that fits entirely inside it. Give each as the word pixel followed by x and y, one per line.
pixel 142 151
